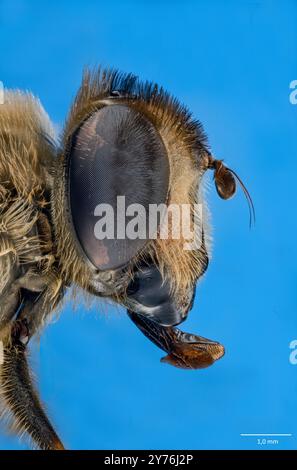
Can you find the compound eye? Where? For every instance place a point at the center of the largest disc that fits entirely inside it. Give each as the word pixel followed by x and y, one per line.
pixel 115 158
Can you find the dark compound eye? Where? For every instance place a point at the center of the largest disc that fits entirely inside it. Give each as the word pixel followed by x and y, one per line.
pixel 115 152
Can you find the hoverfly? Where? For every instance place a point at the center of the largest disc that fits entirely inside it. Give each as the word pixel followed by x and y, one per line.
pixel 122 137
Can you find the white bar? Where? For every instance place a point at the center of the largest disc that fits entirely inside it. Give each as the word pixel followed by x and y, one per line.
pixel 267 435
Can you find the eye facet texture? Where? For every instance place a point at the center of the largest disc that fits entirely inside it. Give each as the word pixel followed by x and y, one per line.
pixel 115 152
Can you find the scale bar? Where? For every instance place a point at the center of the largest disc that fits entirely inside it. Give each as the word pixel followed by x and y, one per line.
pixel 267 435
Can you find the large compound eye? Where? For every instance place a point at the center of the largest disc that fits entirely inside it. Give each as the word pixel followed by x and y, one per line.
pixel 115 152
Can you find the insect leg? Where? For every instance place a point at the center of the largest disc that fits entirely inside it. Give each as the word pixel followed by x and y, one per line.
pixel 184 350
pixel 9 292
pixel 38 305
pixel 17 389
pixel 21 398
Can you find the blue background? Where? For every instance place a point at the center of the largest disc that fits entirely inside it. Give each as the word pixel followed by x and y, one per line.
pixel 231 62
